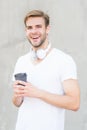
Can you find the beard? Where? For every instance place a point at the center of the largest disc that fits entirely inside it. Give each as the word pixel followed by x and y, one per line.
pixel 40 43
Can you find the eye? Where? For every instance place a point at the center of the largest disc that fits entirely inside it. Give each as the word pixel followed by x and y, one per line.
pixel 39 26
pixel 29 27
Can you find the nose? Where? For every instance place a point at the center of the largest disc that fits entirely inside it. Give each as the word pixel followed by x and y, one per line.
pixel 34 30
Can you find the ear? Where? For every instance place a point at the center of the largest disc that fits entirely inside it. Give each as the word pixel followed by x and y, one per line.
pixel 48 29
pixel 26 31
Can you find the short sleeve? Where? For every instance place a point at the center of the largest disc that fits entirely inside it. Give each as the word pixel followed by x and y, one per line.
pixel 18 68
pixel 68 69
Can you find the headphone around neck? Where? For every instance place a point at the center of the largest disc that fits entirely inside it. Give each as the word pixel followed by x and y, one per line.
pixel 40 53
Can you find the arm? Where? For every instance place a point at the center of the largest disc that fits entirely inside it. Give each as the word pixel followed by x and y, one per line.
pixel 17 99
pixel 70 100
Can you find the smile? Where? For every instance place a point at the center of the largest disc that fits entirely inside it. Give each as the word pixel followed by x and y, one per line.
pixel 34 38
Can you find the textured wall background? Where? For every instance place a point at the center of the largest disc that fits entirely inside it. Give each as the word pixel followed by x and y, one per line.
pixel 68 33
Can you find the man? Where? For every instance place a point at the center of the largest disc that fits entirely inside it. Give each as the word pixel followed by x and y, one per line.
pixel 51 85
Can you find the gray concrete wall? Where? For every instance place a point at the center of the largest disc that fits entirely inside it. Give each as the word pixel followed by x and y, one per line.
pixel 68 33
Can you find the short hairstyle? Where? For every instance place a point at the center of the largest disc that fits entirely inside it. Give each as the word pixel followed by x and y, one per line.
pixel 37 13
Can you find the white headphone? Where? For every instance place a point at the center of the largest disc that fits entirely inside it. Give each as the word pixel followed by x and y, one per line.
pixel 39 54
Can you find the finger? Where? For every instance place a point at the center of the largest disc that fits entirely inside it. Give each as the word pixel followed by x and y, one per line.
pixel 16 82
pixel 18 92
pixel 19 87
pixel 19 82
pixel 22 83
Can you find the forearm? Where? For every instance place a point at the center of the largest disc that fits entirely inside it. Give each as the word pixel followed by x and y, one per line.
pixel 70 100
pixel 63 101
pixel 17 101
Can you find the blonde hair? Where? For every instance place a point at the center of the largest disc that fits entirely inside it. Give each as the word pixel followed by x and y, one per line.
pixel 37 13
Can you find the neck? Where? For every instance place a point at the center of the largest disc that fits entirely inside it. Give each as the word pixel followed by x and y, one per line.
pixel 43 46
pixel 40 54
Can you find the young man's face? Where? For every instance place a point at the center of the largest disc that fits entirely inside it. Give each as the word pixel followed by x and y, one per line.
pixel 36 31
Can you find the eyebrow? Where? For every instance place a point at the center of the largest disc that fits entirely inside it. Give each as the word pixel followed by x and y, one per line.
pixel 30 26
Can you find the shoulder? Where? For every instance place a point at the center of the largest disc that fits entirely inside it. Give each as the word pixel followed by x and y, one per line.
pixel 62 55
pixel 23 59
pixel 63 58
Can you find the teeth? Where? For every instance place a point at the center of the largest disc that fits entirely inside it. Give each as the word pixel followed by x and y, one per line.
pixel 35 37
